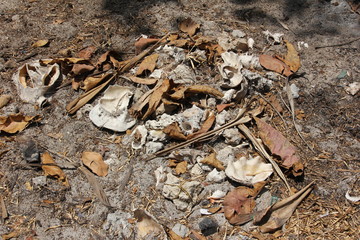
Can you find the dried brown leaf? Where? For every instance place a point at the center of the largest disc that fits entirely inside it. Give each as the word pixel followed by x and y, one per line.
pixel 91 82
pixel 274 64
pixel 173 236
pixel 40 43
pixel 173 130
pixel 146 224
pixel 4 99
pixel 52 171
pixel 86 53
pixel 221 107
pixel 213 161
pixel 275 103
pixel 16 122
pixel 181 167
pixel 276 215
pixel 189 26
pixel 279 146
pixel 82 68
pixel 181 91
pixel 4 212
pixel 146 81
pixel 148 64
pixel 143 43
pixel 95 162
pixel 292 58
pixel 99 191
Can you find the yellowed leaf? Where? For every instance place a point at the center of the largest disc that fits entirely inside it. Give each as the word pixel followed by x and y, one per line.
pixel 4 99
pixel 189 26
pixel 148 64
pixel 146 224
pixel 50 169
pixel 181 167
pixel 213 161
pixel 40 43
pixel 95 163
pixel 28 186
pixel 292 58
pixel 16 122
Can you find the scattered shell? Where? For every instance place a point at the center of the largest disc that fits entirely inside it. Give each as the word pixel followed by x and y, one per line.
pixel 248 171
pixel 196 170
pixel 182 74
pixel 230 70
pixel 232 136
pixel 218 194
pixel 189 120
pixel 250 43
pixel 111 112
pixel 164 121
pixel 156 135
pixel 160 175
pixel 139 137
pixel 351 198
pixel 216 176
pixel 153 147
pixel 273 38
pixel 353 88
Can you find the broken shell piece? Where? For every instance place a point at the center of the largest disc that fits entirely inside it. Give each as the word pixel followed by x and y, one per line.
pixel 216 176
pixel 182 74
pixel 189 120
pixel 250 62
pixel 160 175
pixel 250 43
pixel 153 147
pixel 205 211
pixel 273 38
pixel 353 88
pixel 35 80
pixel 351 198
pixel 156 135
pixel 232 136
pixel 230 70
pixel 189 191
pixel 218 194
pixel 196 170
pixel 164 121
pixel 112 110
pixel 248 171
pixel 139 137
pixel 170 189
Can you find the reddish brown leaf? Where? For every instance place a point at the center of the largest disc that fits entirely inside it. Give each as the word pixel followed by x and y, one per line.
pixel 82 68
pixel 86 53
pixel 15 122
pixel 181 167
pixel 148 64
pixel 221 107
pixel 292 58
pixel 146 81
pixel 275 65
pixel 173 130
pixel 205 127
pixel 189 26
pixel 280 146
pixel 143 43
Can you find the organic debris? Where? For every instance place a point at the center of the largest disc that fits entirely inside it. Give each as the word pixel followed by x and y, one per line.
pixel 95 163
pixel 16 122
pixel 51 169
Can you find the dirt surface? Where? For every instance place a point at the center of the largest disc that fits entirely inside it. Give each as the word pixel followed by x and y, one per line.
pixel 43 208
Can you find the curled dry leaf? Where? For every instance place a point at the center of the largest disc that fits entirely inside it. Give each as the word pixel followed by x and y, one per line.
pixel 4 99
pixel 274 64
pixel 209 122
pixel 143 43
pixel 94 161
pixel 189 26
pixel 91 82
pixel 292 58
pixel 280 146
pixel 181 91
pixel 146 81
pixel 213 161
pixel 173 130
pixel 86 53
pixel 51 169
pixel 273 217
pixel 148 64
pixel 240 202
pixel 181 167
pixel 40 43
pixel 16 122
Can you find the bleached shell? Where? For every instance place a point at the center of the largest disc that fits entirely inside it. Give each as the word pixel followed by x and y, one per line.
pixel 248 171
pixel 189 120
pixel 141 133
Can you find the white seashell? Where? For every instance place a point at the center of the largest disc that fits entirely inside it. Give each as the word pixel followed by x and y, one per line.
pixel 139 137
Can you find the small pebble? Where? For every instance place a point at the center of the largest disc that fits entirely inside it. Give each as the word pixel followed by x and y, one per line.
pixel 208 226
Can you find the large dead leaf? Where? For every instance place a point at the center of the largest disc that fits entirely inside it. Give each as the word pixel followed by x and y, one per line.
pixel 173 130
pixel 276 215
pixel 292 58
pixel 148 64
pixel 143 43
pixel 280 146
pixel 274 64
pixel 50 169
pixel 189 26
pixel 16 122
pixel 240 202
pixel 95 162
pixel 99 191
pixel 213 161
pixel 152 99
pixel 180 93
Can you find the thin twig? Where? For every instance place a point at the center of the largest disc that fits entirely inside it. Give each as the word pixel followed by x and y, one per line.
pixel 339 44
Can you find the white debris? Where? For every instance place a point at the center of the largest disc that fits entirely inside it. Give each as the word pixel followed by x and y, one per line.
pixel 181 230
pixel 230 70
pixel 353 88
pixel 250 43
pixel 216 176
pixel 189 120
pixel 302 44
pixel 153 147
pixel 182 74
pixel 164 121
pixel 205 211
pixel 218 194
pixel 250 61
pixel 211 102
pixel 156 73
pixel 232 136
pixel 248 171
pixel 238 33
pixel 156 135
pixel 139 137
pixel 171 190
pixel 294 90
pixel 228 95
pixel 273 38
pixel 189 191
pixel 181 205
pixel 112 110
pixel 160 175
pixel 351 198
pixel 35 80
pixel 222 117
pixel 196 170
